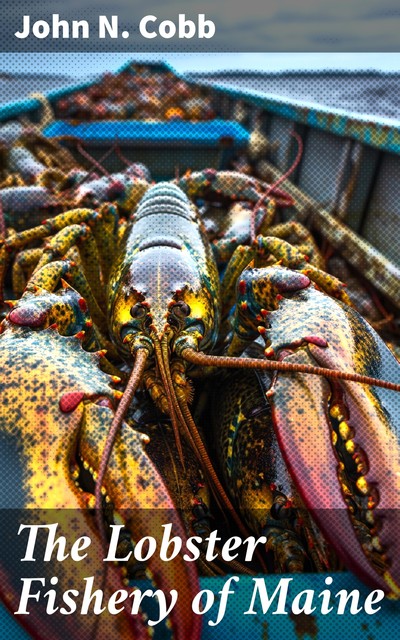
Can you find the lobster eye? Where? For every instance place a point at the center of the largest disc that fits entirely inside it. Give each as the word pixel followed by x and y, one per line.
pixel 138 311
pixel 181 309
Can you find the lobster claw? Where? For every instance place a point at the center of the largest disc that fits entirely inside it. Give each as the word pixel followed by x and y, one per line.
pixel 309 327
pixel 43 447
pixel 38 491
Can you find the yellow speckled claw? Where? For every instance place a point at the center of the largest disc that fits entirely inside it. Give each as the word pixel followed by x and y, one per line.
pixel 53 443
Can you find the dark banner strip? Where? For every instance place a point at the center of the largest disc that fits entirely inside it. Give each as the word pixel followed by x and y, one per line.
pixel 318 25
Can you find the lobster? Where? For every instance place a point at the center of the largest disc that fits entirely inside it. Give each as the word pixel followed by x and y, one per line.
pixel 27 205
pixel 33 157
pixel 164 311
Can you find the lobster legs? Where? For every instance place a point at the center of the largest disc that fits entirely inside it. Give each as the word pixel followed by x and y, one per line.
pixel 93 232
pixel 288 256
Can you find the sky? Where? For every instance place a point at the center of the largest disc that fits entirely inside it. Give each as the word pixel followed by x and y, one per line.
pixel 86 64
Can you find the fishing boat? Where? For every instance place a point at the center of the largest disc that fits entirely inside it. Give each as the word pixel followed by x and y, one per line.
pixel 345 187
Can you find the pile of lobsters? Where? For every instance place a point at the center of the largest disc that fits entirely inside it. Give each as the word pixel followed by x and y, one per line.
pixel 178 353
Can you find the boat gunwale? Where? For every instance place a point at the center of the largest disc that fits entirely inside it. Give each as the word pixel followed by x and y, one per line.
pixel 380 133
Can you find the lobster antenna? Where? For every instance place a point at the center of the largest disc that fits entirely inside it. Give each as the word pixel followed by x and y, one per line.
pixel 133 383
pixel 190 355
pixel 92 160
pixel 94 166
pixel 216 487
pixel 283 177
pixel 294 165
pixel 67 192
pixel 179 411
pixel 182 412
pixel 166 378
